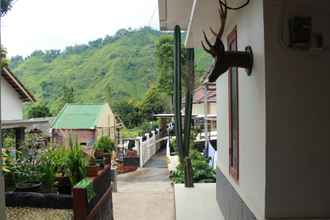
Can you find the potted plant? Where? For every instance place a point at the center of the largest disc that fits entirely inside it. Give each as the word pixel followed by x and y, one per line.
pixel 7 170
pixel 92 168
pixel 106 145
pixel 27 175
pixel 75 164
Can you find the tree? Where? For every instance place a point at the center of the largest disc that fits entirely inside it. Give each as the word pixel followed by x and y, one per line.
pixel 38 110
pixel 15 61
pixel 67 97
pixel 164 53
pixel 153 103
pixel 129 112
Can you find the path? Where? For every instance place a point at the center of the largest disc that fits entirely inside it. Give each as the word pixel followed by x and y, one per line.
pixel 146 194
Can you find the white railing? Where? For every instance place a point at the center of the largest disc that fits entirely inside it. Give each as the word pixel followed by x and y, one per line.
pixel 149 147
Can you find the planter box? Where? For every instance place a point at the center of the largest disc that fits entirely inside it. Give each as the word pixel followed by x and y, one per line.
pixel 97 206
pixel 132 161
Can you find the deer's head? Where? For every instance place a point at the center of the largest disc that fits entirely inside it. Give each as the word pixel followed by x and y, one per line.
pixel 223 60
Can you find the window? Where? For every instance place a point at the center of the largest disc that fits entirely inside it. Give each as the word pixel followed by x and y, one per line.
pixel 233 111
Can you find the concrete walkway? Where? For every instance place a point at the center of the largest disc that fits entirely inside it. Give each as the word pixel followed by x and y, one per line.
pixel 146 194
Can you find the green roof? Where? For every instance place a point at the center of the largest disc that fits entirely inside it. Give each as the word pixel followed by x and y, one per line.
pixel 74 116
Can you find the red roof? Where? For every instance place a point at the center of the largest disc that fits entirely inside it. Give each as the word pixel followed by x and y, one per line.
pixel 199 94
pixel 24 94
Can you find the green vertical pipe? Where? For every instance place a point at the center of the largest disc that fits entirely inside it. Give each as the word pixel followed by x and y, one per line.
pixel 177 91
pixel 190 79
pixel 189 98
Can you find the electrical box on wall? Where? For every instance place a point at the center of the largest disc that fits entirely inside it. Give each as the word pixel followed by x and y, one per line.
pixel 300 32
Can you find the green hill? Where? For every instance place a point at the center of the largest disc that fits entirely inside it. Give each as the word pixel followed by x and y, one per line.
pixel 126 62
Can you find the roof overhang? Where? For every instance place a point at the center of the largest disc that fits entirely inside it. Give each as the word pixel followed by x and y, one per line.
pixel 23 93
pixel 194 16
pixel 204 14
pixel 174 12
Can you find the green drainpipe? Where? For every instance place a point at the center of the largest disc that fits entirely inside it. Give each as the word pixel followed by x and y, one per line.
pixel 190 79
pixel 177 92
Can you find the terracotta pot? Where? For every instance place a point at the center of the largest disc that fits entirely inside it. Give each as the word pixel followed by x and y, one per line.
pixel 92 171
pixel 107 158
pixel 98 153
pixel 63 185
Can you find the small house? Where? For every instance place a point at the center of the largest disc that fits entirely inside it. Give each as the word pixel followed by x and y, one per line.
pixel 13 96
pixel 84 123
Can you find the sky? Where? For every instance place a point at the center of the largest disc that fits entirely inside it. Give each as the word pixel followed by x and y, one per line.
pixel 54 24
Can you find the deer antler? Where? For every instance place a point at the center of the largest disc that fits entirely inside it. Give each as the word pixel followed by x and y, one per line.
pixel 218 45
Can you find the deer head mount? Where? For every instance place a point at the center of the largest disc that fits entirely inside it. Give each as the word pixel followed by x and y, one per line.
pixel 223 60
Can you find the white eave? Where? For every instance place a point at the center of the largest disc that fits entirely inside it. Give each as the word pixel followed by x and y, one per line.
pixel 194 16
pixel 204 14
pixel 174 12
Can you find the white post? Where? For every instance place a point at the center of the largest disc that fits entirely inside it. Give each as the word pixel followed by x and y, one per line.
pixel 205 116
pixel 141 151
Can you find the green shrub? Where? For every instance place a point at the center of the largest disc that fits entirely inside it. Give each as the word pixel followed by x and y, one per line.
pixel 9 142
pixel 75 164
pixel 52 162
pixel 202 172
pixel 106 144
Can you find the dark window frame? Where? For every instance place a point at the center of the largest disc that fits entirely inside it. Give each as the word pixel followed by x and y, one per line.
pixel 233 98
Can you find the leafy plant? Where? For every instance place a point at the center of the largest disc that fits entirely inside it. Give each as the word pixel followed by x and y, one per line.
pixel 75 164
pixel 52 162
pixel 202 172
pixel 26 169
pixel 7 162
pixel 9 142
pixel 106 144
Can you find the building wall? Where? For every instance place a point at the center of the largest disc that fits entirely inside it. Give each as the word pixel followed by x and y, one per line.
pixel 82 136
pixel 198 108
pixel 11 104
pixel 106 123
pixel 251 185
pixel 298 115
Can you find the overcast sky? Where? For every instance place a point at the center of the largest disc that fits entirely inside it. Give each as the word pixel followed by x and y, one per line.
pixel 55 24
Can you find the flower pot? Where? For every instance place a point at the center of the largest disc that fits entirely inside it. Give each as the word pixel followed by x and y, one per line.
pixel 63 185
pixel 92 171
pixel 107 158
pixel 98 153
pixel 28 187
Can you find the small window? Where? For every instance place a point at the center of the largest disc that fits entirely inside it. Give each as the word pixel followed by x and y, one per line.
pixel 233 111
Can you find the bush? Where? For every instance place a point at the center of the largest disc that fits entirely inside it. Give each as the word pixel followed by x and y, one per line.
pixel 75 164
pixel 202 172
pixel 9 142
pixel 106 144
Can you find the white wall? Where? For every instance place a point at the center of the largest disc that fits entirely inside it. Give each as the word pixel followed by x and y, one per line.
pixel 11 104
pixel 251 185
pixel 198 109
pixel 298 115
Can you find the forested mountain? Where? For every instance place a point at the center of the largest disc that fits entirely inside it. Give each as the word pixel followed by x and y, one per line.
pixel 118 67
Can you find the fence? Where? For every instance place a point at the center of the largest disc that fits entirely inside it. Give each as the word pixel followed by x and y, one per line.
pixel 149 145
pixel 92 198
